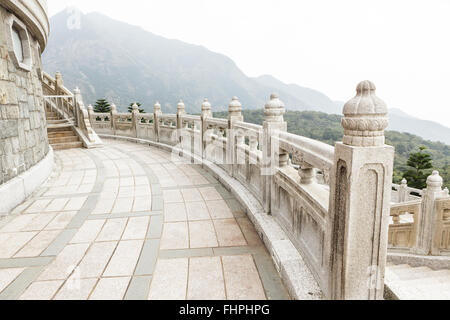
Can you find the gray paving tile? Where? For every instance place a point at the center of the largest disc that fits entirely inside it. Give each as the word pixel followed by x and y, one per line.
pixel 25 262
pixel 226 195
pixel 235 206
pixel 147 260
pixel 234 251
pixel 156 226
pixel 59 243
pixel 124 215
pixel 139 288
pixel 18 286
pixel 156 190
pixel 84 213
pixel 157 203
pixel 272 283
pixel 186 253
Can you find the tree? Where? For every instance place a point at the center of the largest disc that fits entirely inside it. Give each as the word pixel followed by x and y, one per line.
pixel 421 165
pixel 130 108
pixel 102 106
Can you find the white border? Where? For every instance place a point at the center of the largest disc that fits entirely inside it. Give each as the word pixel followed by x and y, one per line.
pixel 17 190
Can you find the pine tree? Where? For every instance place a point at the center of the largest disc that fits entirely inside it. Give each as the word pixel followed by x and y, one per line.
pixel 130 108
pixel 421 165
pixel 102 106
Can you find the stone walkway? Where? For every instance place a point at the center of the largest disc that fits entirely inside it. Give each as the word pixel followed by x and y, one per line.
pixel 126 222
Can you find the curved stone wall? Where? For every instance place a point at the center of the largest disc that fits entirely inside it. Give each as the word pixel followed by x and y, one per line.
pixel 34 14
pixel 24 31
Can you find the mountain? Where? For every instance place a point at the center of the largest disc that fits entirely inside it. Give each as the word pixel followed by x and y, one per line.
pixel 311 99
pixel 402 122
pixel 124 63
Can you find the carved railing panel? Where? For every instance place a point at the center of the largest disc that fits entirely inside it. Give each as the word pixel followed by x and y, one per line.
pixel 248 156
pixel 167 124
pixel 215 141
pixel 442 239
pixel 402 229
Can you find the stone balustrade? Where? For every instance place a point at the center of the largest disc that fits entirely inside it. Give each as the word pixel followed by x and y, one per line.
pixel 332 204
pixel 402 193
pixel 421 225
pixel 70 107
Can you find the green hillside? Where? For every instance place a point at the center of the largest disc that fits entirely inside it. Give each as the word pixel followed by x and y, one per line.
pixel 327 128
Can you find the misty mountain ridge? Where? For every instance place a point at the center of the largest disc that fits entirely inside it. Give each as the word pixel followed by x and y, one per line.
pixel 123 63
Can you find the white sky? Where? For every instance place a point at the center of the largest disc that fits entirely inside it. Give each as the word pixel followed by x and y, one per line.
pixel 403 46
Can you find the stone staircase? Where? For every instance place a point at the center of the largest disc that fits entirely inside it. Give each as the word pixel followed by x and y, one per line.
pixel 422 283
pixel 60 133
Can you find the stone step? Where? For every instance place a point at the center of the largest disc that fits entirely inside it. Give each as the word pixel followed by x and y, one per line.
pixel 61 134
pixel 410 293
pixel 57 121
pixel 58 127
pixel 420 283
pixel 68 145
pixel 400 266
pixel 64 139
pixel 424 281
pixel 411 273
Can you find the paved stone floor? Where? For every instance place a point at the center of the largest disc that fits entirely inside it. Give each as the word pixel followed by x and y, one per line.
pixel 127 222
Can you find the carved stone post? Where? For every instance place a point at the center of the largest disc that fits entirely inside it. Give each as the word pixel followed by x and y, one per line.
pixel 361 185
pixel 134 118
pixel 428 219
pixel 59 83
pixel 234 115
pixel 206 113
pixel 77 100
pixel 113 118
pixel 181 112
pixel 403 192
pixel 90 110
pixel 157 115
pixel 274 122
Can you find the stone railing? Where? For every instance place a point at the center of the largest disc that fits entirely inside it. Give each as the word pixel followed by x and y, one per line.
pixel 331 203
pixel 402 193
pixel 70 107
pixel 421 225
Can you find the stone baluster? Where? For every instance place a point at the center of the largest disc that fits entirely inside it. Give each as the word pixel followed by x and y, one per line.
pixel 206 113
pixel 90 110
pixel 59 83
pixel 253 143
pixel 134 119
pixel 361 185
pixel 157 116
pixel 428 220
pixel 274 111
pixel 114 118
pixel 403 194
pixel 77 100
pixel 233 140
pixel 307 173
pixel 181 112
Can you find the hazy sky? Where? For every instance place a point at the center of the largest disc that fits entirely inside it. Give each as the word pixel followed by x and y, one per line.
pixel 403 46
